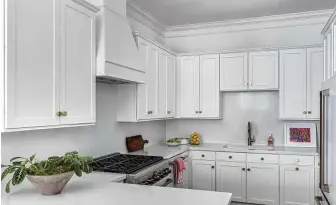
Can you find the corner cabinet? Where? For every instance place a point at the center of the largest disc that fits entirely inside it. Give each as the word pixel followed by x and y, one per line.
pixel 301 77
pixel 199 95
pixel 50 65
pixel 156 98
pixel 249 71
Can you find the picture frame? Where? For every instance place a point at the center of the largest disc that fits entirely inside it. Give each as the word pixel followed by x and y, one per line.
pixel 300 135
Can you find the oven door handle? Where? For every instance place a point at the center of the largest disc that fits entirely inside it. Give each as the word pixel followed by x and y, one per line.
pixel 168 181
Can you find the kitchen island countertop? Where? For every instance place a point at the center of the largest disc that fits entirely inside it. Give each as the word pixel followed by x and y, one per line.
pixel 92 191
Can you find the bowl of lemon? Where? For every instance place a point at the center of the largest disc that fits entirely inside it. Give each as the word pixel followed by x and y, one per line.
pixel 195 139
pixel 173 142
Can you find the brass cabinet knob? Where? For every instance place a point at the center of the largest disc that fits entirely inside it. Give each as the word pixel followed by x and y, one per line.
pixel 249 169
pixel 212 167
pixel 230 157
pixel 243 169
pixel 309 112
pixel 168 112
pixel 64 113
pixel 200 112
pixel 203 155
pixel 297 169
pixel 304 112
pixel 196 112
pixel 262 159
pixel 59 114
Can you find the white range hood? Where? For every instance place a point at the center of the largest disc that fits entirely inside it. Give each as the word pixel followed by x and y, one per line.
pixel 118 58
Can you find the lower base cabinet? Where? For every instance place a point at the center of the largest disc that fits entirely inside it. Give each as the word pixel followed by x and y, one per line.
pixel 262 183
pixel 231 177
pixel 203 175
pixel 296 185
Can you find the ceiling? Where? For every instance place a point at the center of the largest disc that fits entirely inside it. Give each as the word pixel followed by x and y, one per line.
pixel 181 12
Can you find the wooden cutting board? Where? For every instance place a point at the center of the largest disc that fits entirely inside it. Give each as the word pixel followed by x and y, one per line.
pixel 135 143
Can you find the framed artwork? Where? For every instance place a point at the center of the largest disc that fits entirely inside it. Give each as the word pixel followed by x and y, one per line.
pixel 300 135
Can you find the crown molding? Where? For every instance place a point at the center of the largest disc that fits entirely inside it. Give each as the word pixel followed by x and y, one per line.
pixel 266 22
pixel 329 23
pixel 87 5
pixel 139 14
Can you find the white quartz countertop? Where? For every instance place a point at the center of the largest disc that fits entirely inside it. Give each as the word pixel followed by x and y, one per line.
pixel 217 147
pixel 92 190
pixel 162 151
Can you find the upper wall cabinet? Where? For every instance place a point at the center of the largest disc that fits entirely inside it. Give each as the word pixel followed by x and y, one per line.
pixel 301 77
pixel 329 34
pixel 156 98
pixel 249 71
pixel 50 64
pixel 199 87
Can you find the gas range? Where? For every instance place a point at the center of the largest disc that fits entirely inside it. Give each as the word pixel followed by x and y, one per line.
pixel 139 169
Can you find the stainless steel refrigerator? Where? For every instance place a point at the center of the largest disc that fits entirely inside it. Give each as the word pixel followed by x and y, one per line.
pixel 327 148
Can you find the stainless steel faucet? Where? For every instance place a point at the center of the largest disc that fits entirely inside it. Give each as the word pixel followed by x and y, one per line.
pixel 250 139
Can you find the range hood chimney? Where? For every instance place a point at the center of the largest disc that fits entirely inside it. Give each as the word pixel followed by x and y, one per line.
pixel 118 58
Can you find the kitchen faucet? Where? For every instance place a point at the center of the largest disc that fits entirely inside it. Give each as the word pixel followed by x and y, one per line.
pixel 250 140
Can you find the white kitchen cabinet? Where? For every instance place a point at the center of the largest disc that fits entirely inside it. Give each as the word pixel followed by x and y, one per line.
pixel 203 175
pixel 262 183
pixel 233 72
pixel 249 71
pixel 199 87
pixel 50 66
pixel 296 185
pixel 148 93
pixel 78 64
pixel 314 81
pixel 301 74
pixel 167 84
pixel 263 70
pixel 231 177
pixel 156 98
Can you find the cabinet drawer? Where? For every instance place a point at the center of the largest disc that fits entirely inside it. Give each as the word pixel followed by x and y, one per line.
pixel 297 160
pixel 230 157
pixel 263 158
pixel 203 155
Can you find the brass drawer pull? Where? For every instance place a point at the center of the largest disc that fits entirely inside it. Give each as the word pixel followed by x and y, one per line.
pixel 297 169
pixel 64 113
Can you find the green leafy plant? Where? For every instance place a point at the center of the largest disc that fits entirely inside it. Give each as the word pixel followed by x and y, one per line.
pixel 21 166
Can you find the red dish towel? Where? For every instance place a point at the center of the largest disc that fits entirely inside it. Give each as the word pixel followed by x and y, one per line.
pixel 179 167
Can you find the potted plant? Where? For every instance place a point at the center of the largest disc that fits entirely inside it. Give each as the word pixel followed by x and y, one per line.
pixel 48 176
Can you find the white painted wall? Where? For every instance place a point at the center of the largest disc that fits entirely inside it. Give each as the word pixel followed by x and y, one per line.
pixel 107 136
pixel 260 108
pixel 266 37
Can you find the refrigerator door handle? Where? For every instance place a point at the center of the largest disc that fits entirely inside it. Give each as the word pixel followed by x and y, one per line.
pixel 323 125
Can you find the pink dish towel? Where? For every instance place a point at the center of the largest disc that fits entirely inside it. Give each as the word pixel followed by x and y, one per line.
pixel 179 167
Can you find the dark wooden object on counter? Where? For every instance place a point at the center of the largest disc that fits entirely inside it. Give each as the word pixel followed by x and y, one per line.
pixel 135 143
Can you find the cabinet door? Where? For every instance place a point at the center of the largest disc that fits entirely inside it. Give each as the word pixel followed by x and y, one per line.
pixel 148 93
pixel 233 72
pixel 231 177
pixel 263 184
pixel 203 175
pixel 328 68
pixel 293 84
pixel 31 77
pixel 167 67
pixel 78 73
pixel 264 70
pixel 189 87
pixel 296 185
pixel 209 87
pixel 314 81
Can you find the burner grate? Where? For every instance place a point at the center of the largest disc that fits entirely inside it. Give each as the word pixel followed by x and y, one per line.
pixel 122 163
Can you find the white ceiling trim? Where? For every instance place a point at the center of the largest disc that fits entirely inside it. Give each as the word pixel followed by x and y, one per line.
pixel 285 20
pixel 139 14
pixel 266 22
pixel 330 21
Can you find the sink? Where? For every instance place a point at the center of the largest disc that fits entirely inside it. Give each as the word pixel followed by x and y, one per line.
pixel 255 147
